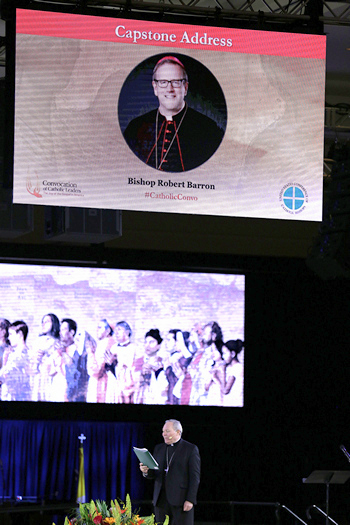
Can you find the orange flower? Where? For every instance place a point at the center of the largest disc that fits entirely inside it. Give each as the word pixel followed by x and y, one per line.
pixel 109 520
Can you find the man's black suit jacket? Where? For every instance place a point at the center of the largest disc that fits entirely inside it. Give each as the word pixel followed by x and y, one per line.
pixel 182 479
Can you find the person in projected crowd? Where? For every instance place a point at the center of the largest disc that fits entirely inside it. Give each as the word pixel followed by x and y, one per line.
pixel 97 365
pixel 207 367
pixel 74 358
pixel 15 373
pixel 120 383
pixel 5 350
pixel 5 346
pixel 151 384
pixel 176 370
pixel 177 480
pixel 232 385
pixel 174 137
pixel 45 347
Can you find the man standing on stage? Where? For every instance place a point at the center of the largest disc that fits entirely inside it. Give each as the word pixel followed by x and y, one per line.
pixel 177 480
pixel 174 137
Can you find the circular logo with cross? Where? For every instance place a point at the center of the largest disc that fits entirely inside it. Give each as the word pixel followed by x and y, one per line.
pixel 293 198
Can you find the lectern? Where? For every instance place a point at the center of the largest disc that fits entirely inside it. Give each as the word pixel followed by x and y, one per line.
pixel 328 477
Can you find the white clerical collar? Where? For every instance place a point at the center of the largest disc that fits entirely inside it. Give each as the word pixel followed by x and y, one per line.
pixel 171 116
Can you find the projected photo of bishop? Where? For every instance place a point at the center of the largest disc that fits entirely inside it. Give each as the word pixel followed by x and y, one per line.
pixel 188 120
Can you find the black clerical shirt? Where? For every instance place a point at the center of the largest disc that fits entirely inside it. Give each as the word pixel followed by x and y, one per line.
pixel 181 144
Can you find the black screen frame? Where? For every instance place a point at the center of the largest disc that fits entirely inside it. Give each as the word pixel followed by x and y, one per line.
pixel 101 257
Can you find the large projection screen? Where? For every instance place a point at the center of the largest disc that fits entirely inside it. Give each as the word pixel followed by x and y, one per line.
pixel 251 137
pixel 178 337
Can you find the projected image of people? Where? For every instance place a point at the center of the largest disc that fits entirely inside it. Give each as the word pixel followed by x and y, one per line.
pixel 174 137
pixel 174 368
pixel 175 346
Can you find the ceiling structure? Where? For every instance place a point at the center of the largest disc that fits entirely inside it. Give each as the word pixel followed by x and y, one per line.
pixel 315 11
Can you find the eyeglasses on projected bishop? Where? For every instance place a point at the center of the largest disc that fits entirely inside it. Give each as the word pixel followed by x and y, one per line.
pixel 174 83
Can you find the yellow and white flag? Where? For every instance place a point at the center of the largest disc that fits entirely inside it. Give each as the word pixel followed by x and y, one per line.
pixel 81 496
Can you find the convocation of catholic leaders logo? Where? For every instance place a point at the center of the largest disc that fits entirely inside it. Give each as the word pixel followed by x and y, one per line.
pixel 65 189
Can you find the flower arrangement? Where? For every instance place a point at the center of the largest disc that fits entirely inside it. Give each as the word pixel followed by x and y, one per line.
pixel 99 513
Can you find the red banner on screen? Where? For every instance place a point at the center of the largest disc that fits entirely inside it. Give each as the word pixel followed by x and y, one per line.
pixel 138 32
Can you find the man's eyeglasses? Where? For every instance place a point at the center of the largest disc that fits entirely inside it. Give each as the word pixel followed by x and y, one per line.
pixel 174 83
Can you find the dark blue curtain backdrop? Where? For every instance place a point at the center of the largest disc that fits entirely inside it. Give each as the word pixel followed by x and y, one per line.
pixel 39 459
